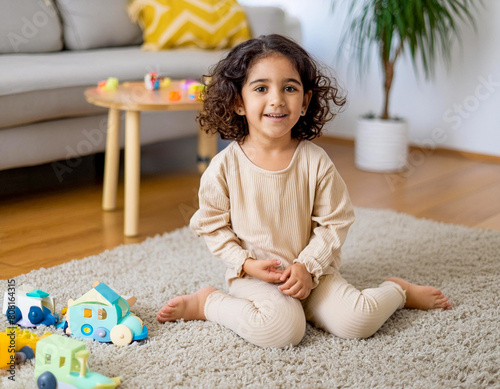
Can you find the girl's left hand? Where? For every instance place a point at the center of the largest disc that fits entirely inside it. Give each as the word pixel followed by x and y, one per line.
pixel 298 281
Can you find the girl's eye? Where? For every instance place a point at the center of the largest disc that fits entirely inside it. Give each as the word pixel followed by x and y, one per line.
pixel 260 89
pixel 290 88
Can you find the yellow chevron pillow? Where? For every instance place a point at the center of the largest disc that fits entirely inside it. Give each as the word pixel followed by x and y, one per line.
pixel 208 24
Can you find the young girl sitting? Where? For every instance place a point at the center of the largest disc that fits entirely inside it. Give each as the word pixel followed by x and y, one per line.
pixel 275 210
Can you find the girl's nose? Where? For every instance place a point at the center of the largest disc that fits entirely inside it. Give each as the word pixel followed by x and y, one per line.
pixel 276 100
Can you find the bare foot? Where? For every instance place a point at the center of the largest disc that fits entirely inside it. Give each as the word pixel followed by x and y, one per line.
pixel 422 297
pixel 187 307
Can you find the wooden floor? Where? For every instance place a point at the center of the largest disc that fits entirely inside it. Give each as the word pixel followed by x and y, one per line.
pixel 55 226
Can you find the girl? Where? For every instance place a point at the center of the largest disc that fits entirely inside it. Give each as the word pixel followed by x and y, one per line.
pixel 275 210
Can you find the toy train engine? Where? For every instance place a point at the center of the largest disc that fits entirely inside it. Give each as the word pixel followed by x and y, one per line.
pixel 29 307
pixel 103 315
pixel 61 362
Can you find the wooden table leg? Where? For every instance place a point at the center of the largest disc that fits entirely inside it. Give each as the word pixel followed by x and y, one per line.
pixel 207 148
pixel 112 161
pixel 132 172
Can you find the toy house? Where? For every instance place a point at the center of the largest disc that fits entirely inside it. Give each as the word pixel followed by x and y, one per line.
pixel 103 315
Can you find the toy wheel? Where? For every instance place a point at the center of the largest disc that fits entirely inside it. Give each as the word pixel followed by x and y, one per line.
pixel 35 315
pixel 20 357
pixel 28 351
pixel 121 335
pixel 99 334
pixel 14 314
pixel 46 380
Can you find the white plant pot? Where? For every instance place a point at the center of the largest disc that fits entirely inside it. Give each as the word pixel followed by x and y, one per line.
pixel 381 145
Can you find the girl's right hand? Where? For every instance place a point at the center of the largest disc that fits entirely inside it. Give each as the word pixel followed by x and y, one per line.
pixel 263 269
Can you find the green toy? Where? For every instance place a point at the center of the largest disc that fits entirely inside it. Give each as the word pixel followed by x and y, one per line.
pixel 61 362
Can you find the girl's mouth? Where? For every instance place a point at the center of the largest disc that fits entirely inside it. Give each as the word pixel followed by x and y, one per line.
pixel 275 115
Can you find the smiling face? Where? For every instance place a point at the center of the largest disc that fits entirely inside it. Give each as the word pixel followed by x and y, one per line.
pixel 273 98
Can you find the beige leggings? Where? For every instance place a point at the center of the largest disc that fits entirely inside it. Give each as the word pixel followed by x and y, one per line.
pixel 261 314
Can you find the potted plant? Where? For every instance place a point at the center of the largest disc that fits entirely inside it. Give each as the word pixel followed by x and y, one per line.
pixel 425 29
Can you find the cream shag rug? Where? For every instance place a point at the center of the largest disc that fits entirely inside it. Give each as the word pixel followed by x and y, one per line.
pixel 414 349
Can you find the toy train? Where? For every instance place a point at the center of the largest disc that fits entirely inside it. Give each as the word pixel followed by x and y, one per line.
pixel 29 307
pixel 61 362
pixel 103 315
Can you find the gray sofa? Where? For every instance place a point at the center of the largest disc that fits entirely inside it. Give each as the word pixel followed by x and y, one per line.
pixel 52 50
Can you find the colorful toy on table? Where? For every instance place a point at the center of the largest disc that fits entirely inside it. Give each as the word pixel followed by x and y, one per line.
pixel 17 345
pixel 165 82
pixel 192 88
pixel 152 81
pixel 111 84
pixel 174 95
pixel 29 307
pixel 61 362
pixel 103 315
pixel 195 91
pixel 185 84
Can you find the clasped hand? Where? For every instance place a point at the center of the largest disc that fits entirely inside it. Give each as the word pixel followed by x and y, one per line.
pixel 297 280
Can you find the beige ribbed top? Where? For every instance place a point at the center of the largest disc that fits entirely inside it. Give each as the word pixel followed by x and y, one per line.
pixel 299 214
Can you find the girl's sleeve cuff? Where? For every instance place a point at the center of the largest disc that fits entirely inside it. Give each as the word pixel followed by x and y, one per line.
pixel 242 257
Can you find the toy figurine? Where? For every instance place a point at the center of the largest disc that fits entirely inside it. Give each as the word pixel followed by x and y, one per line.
pixel 17 345
pixel 103 315
pixel 152 81
pixel 28 307
pixel 62 362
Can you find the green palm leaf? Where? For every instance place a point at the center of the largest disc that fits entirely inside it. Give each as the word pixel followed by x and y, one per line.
pixel 427 29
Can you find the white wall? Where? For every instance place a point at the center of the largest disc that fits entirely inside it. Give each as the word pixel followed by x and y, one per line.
pixel 459 109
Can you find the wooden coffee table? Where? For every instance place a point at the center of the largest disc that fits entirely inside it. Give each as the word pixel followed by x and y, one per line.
pixel 133 98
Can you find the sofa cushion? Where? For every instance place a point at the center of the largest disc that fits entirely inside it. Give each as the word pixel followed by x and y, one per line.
pixel 207 24
pixel 90 24
pixel 28 26
pixel 38 105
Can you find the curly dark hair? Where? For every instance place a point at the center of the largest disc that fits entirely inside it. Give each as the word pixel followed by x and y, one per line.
pixel 223 92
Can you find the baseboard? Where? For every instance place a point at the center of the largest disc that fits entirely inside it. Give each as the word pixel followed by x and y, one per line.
pixel 440 150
